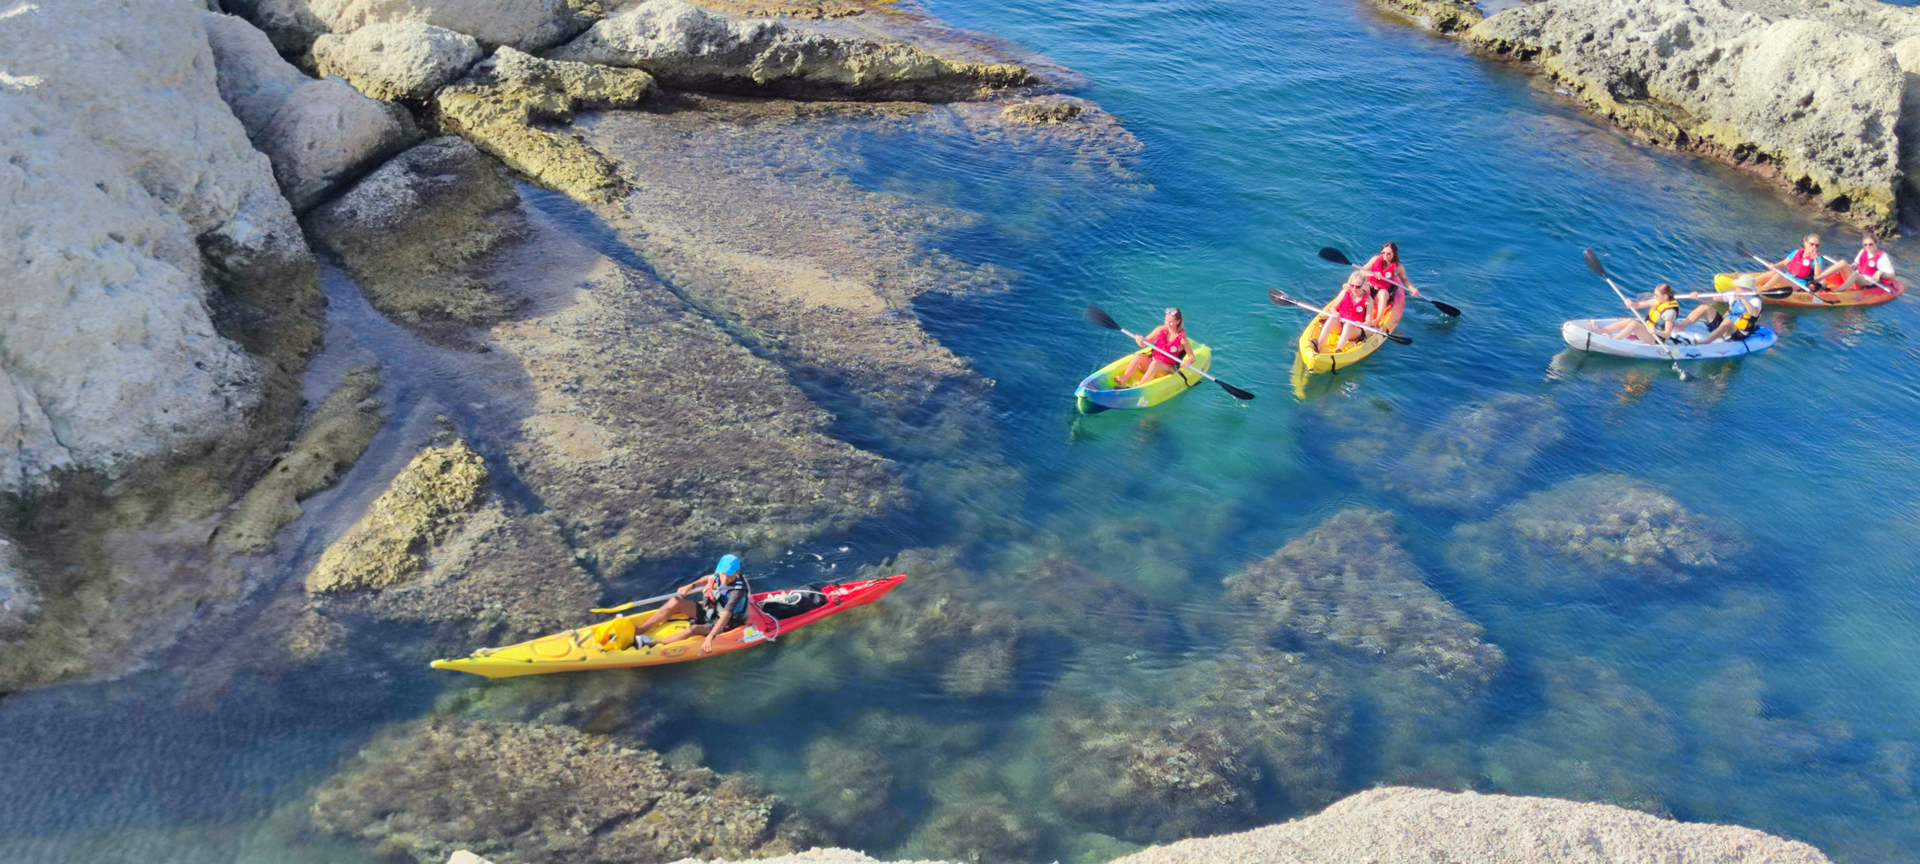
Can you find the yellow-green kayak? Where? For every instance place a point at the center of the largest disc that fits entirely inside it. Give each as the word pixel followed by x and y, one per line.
pixel 1097 393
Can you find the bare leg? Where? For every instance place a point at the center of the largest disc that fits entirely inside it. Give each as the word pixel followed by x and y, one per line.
pixel 1349 334
pixel 1158 368
pixel 678 607
pixel 1326 332
pixel 1131 375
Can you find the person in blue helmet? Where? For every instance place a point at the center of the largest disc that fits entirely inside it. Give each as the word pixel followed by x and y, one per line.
pixel 719 603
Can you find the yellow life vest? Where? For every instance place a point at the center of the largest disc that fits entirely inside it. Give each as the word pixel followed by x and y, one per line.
pixel 615 635
pixel 1653 315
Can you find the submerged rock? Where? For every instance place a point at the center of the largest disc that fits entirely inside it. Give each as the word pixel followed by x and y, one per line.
pixel 402 60
pixel 501 105
pixel 1600 739
pixel 1591 530
pixel 1804 93
pixel 319 134
pixel 1349 586
pixel 1478 452
pixel 422 507
pixel 544 795
pixel 847 784
pixel 415 232
pixel 333 439
pixel 692 48
pixel 977 830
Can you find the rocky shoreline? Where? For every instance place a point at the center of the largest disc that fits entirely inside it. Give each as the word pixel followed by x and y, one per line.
pixel 1817 98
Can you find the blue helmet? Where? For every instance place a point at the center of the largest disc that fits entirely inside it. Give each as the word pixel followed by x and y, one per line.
pixel 729 565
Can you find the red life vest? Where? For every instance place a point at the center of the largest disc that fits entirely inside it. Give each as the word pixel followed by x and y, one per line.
pixel 1380 273
pixel 1801 264
pixel 1175 344
pixel 1868 267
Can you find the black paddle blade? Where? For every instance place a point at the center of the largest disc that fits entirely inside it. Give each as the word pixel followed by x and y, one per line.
pixel 1777 293
pixel 1742 249
pixel 1336 256
pixel 1101 318
pixel 1593 263
pixel 1397 339
pixel 1447 309
pixel 1233 391
pixel 1280 297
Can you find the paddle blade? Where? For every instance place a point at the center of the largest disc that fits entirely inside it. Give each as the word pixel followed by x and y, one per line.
pixel 1097 316
pixel 1336 256
pixel 1742 249
pixel 1593 263
pixel 1777 293
pixel 1279 297
pixel 1399 340
pixel 620 608
pixel 1447 309
pixel 1233 391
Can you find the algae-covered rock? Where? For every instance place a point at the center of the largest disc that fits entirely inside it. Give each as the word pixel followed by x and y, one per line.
pixel 692 48
pixel 1349 586
pixel 1041 113
pixel 401 60
pixel 1478 452
pixel 415 232
pixel 942 617
pixel 422 507
pixel 1792 89
pixel 1600 738
pixel 1592 530
pixel 332 439
pixel 537 794
pixel 501 104
pixel 1439 16
pixel 976 830
pixel 847 784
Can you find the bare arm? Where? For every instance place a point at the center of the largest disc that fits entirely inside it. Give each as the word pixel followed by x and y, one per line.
pixel 1401 271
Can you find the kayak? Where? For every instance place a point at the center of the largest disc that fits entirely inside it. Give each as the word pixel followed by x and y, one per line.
pixel 1097 394
pixel 1318 361
pixel 1585 334
pixel 577 650
pixel 1868 296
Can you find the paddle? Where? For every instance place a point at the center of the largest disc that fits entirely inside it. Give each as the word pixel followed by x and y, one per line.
pixel 1101 318
pixel 1770 294
pixel 1593 263
pixel 647 602
pixel 1742 249
pixel 1280 297
pixel 1336 256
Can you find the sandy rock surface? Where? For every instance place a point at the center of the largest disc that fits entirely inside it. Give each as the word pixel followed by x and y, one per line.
pixel 431 788
pixel 1398 825
pixel 422 507
pixel 508 101
pixel 529 25
pixel 122 165
pixel 400 60
pixel 688 47
pixel 416 232
pixel 1811 95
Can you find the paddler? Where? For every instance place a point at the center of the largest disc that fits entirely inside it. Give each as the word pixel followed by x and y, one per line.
pixel 1803 264
pixel 1382 270
pixel 1870 266
pixel 1742 318
pixel 1355 303
pixel 1662 311
pixel 720 603
pixel 1171 340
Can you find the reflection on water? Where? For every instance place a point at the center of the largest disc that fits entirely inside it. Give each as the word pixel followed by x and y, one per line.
pixel 1689 597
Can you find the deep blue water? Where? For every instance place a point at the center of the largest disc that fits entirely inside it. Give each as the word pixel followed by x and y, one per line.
pixel 1269 130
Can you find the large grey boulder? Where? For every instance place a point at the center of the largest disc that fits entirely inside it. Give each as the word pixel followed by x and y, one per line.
pixel 1811 93
pixel 402 60
pixel 119 165
pixel 318 133
pixel 291 24
pixel 529 25
pixel 689 47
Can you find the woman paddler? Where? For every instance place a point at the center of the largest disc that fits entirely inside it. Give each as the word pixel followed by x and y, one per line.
pixel 1383 269
pixel 1870 266
pixel 1355 304
pixel 1801 265
pixel 721 603
pixel 1170 338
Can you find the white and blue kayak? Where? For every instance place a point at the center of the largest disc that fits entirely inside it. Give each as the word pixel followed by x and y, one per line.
pixel 1588 334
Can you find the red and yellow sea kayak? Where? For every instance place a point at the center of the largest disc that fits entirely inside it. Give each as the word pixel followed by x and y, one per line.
pixel 1868 296
pixel 577 650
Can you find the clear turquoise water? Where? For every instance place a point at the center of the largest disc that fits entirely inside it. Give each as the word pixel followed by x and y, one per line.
pixel 1269 130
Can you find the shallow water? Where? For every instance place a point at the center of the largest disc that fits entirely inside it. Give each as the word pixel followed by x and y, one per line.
pixel 1270 130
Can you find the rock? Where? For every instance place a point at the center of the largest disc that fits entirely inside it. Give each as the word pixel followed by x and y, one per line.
pixel 499 105
pixel 1906 52
pixel 691 48
pixel 136 245
pixel 333 439
pixel 1760 84
pixel 421 508
pixel 1599 739
pixel 1478 452
pixel 1041 113
pixel 1590 531
pixel 415 232
pixel 291 25
pixel 319 134
pixel 542 794
pixel 977 831
pixel 402 60
pixel 1438 16
pixel 464 857
pixel 847 784
pixel 529 25
pixel 1347 585
pixel 19 600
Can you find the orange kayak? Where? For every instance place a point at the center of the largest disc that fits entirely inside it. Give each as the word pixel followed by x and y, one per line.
pixel 1868 296
pixel 578 650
